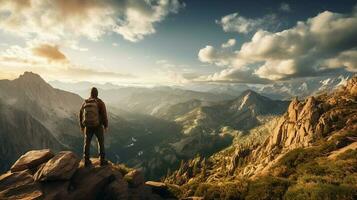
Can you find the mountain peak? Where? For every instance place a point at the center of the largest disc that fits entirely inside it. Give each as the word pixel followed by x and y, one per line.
pixel 249 92
pixel 30 79
pixel 250 95
pixel 30 75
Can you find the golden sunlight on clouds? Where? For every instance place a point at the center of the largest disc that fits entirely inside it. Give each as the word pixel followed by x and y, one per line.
pixel 65 19
pixel 51 63
pixel 52 53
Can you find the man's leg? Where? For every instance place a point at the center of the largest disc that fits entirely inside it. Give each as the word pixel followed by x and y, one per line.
pixel 88 134
pixel 101 147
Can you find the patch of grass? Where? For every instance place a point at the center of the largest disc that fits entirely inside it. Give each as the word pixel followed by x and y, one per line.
pixel 321 191
pixel 175 190
pixel 224 191
pixel 349 154
pixel 267 188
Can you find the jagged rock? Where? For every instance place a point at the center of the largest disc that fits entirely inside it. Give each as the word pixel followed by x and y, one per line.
pixel 19 185
pixel 32 159
pixel 60 167
pixel 89 183
pixel 134 178
pixel 351 86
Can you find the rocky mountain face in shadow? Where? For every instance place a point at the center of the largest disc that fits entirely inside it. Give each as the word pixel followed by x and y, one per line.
pixel 55 109
pixel 310 153
pixel 21 132
pixel 41 174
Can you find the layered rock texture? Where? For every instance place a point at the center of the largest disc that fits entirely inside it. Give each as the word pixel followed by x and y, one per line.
pixel 312 146
pixel 40 174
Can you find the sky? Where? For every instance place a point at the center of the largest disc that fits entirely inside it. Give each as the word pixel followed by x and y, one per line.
pixel 177 42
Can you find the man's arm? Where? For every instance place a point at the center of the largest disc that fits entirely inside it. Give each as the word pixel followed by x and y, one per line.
pixel 81 117
pixel 104 115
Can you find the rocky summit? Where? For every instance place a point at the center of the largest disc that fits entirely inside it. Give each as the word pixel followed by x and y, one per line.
pixel 42 174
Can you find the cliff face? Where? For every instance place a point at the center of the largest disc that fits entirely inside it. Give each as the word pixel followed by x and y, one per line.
pixel 19 133
pixel 40 174
pixel 325 125
pixel 305 122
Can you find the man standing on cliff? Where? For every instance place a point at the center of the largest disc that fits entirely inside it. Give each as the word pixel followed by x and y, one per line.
pixel 93 120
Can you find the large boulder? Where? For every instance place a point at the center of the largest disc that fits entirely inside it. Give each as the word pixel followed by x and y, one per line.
pixel 32 159
pixel 60 167
pixel 91 183
pixel 19 185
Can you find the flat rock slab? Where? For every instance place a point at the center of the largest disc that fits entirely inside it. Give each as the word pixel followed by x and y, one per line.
pixel 19 185
pixel 155 184
pixel 60 167
pixel 32 159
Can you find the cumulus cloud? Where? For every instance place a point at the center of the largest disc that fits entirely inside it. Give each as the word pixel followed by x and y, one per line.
pixel 48 59
pixel 140 17
pixel 233 75
pixel 236 23
pixel 229 43
pixel 211 55
pixel 58 19
pixel 49 52
pixel 322 44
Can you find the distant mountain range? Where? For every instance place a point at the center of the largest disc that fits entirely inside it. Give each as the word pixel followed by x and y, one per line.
pixel 283 90
pixel 242 113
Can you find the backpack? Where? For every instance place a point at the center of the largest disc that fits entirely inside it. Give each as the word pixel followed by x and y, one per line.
pixel 91 113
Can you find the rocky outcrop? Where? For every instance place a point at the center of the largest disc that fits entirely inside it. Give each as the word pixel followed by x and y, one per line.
pixel 351 86
pixel 32 159
pixel 19 185
pixel 60 167
pixel 297 127
pixel 303 124
pixel 42 175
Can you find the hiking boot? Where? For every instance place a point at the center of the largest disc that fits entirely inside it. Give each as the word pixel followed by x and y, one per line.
pixel 87 163
pixel 103 162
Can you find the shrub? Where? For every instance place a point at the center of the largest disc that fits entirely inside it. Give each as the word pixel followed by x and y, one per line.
pixel 321 192
pixel 224 191
pixel 267 188
pixel 312 168
pixel 297 156
pixel 349 154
